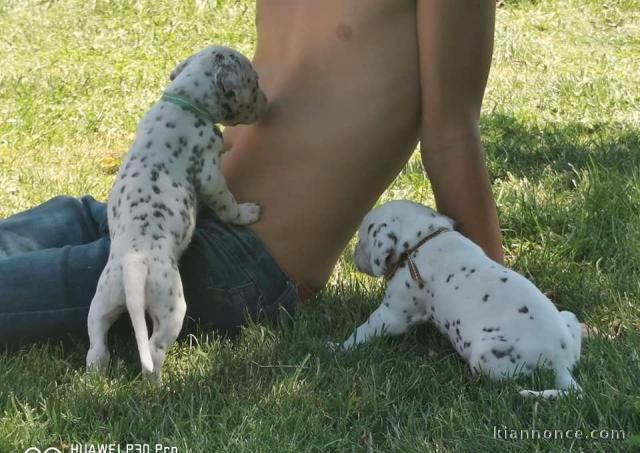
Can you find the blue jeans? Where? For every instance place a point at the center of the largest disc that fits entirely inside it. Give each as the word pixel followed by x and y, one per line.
pixel 52 255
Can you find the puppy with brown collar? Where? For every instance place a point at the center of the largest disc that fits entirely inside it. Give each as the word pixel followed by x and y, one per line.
pixel 495 318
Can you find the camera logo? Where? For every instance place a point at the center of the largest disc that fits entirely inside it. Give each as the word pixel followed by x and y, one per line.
pixel 37 450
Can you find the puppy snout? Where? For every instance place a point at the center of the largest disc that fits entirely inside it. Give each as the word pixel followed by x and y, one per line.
pixel 262 104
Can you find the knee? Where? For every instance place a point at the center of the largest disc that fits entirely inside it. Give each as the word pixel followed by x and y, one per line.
pixel 71 207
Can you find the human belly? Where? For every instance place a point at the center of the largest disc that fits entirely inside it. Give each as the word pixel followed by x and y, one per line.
pixel 338 131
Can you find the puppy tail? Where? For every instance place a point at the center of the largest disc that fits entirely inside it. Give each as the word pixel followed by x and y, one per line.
pixel 134 277
pixel 565 383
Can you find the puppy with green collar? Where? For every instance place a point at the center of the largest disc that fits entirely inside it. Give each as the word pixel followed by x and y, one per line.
pixel 172 167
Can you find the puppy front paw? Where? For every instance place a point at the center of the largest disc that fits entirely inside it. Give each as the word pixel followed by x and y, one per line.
pixel 336 347
pixel 333 346
pixel 248 213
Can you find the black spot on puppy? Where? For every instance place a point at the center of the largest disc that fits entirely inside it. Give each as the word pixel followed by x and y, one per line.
pixel 500 353
pixel 524 309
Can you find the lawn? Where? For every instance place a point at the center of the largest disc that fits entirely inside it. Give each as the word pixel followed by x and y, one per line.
pixel 561 128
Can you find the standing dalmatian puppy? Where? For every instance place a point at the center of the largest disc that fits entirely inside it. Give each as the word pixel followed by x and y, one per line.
pixel 172 167
pixel 496 319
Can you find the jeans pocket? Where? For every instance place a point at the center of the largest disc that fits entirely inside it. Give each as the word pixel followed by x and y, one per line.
pixel 282 308
pixel 224 310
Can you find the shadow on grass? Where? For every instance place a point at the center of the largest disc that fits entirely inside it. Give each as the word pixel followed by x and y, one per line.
pixel 526 150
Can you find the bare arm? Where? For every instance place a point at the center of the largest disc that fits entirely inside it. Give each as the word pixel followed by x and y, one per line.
pixel 455 44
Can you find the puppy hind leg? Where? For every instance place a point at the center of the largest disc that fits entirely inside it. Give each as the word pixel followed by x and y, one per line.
pixel 107 305
pixel 575 330
pixel 167 312
pixel 565 384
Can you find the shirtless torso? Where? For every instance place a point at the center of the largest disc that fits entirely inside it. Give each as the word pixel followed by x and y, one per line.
pixel 343 80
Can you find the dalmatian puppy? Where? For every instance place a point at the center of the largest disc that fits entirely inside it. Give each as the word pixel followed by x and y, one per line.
pixel 496 319
pixel 172 168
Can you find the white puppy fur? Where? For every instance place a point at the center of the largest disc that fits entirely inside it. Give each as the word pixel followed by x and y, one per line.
pixel 172 167
pixel 495 318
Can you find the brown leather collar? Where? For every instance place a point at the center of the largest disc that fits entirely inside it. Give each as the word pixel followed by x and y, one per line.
pixel 406 255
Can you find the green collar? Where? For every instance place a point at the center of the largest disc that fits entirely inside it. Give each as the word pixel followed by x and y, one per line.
pixel 196 108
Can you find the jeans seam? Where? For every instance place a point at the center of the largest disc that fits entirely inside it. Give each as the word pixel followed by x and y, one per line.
pixel 65 266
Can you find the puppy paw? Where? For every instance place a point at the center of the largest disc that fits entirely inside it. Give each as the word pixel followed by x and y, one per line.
pixel 97 360
pixel 153 377
pixel 248 213
pixel 334 347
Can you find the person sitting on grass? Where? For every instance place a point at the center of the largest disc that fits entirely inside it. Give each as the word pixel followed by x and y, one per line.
pixel 353 86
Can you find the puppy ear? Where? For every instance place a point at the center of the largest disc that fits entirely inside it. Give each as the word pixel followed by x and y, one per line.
pixel 227 78
pixel 180 68
pixel 382 242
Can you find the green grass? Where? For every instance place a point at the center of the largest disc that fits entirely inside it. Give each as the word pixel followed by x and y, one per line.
pixel 561 127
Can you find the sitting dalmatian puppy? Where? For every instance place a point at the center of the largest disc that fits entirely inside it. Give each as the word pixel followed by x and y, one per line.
pixel 496 319
pixel 172 167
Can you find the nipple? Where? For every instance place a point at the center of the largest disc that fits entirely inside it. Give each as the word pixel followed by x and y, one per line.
pixel 344 32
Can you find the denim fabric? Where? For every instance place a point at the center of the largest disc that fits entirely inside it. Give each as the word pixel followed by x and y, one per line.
pixel 52 255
